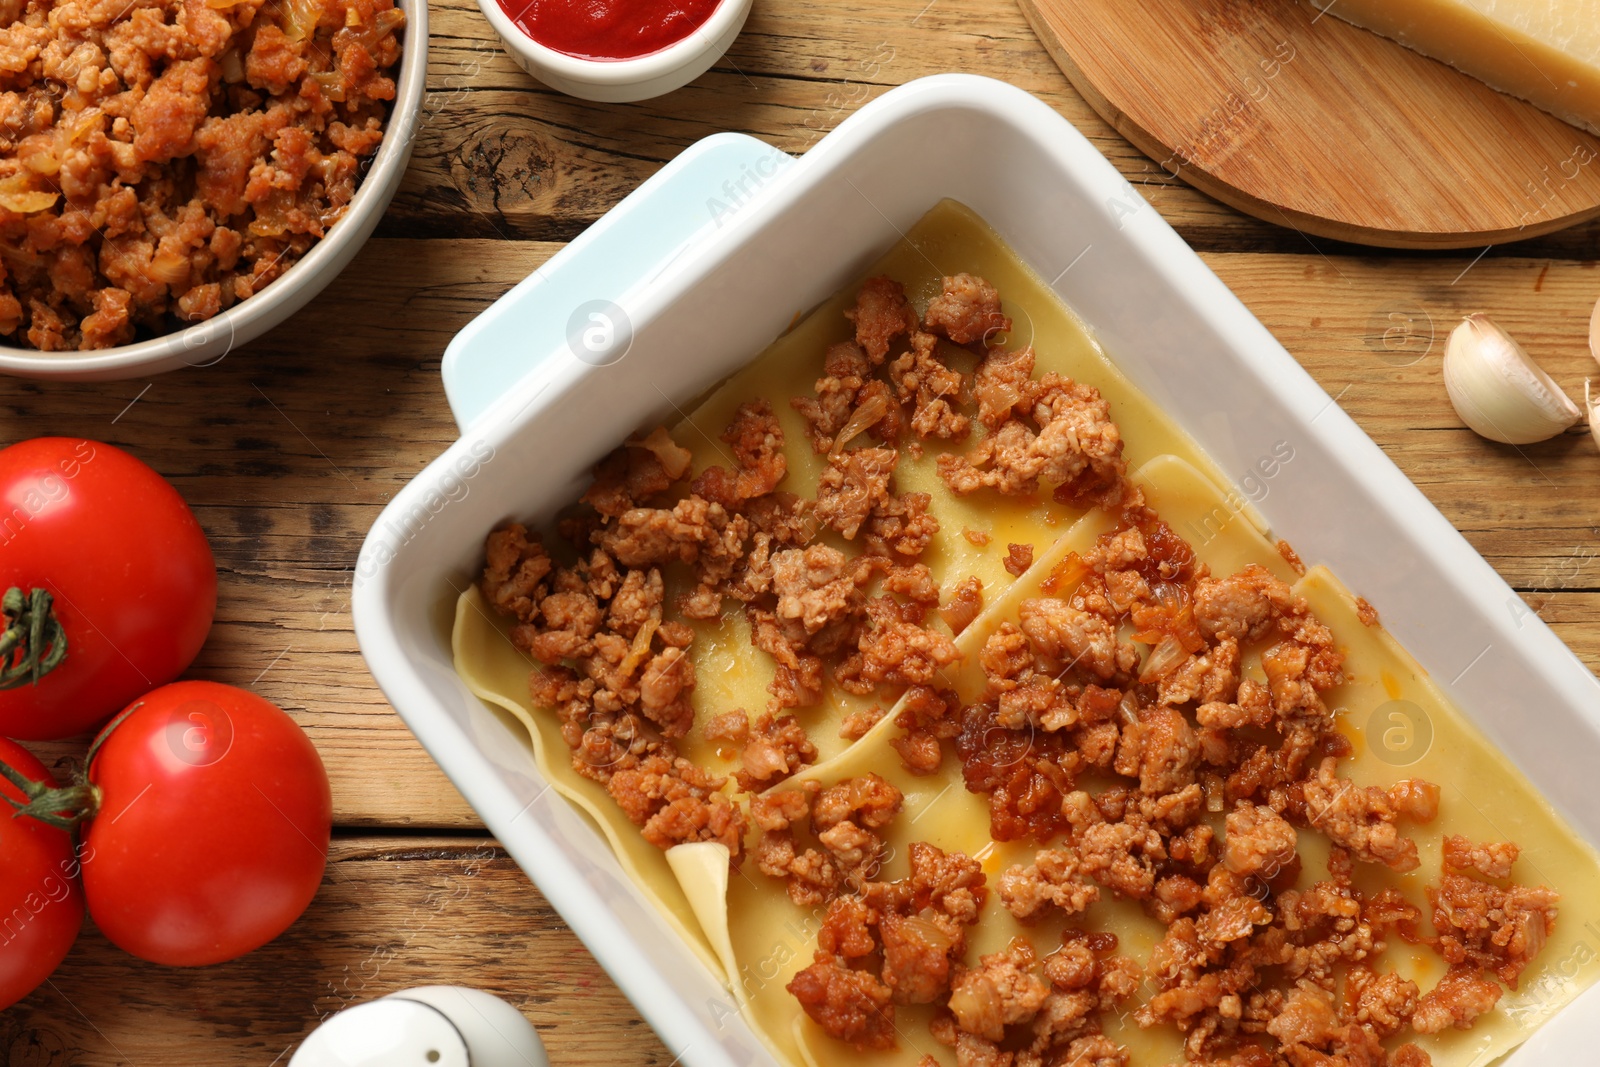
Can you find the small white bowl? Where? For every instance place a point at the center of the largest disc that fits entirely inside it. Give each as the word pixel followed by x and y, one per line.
pixel 210 341
pixel 616 81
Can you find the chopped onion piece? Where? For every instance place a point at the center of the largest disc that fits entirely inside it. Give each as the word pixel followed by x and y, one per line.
pixel 331 84
pixel 862 419
pixel 929 933
pixel 91 119
pixel 1065 575
pixel 27 203
pixel 1129 708
pixel 300 18
pixel 641 648
pixel 1163 658
pixel 170 267
pixel 1168 594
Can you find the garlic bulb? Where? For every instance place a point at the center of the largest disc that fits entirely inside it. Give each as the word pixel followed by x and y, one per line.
pixel 1498 390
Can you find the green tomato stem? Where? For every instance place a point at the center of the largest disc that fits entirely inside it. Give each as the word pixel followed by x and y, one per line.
pixel 62 807
pixel 33 642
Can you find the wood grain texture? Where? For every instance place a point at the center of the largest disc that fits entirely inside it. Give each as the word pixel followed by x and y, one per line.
pixel 387 917
pixel 290 446
pixel 1310 122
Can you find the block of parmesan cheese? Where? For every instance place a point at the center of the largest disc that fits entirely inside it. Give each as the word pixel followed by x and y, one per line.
pixel 1545 51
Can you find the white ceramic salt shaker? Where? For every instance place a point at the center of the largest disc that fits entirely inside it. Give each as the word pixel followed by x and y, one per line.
pixel 430 1026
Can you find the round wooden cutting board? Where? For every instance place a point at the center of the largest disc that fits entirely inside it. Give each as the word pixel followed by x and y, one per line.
pixel 1307 121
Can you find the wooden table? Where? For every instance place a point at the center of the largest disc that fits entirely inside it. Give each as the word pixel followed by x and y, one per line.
pixel 289 447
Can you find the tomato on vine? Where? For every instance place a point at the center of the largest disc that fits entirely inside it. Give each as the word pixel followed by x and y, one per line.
pixel 41 903
pixel 204 818
pixel 107 585
pixel 210 828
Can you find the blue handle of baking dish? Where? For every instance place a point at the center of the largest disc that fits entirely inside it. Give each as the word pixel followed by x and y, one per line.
pixel 653 226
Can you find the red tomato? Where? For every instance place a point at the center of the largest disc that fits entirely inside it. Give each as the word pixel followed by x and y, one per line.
pixel 127 567
pixel 213 825
pixel 41 904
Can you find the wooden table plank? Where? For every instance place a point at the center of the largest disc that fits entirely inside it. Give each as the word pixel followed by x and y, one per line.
pixel 389 916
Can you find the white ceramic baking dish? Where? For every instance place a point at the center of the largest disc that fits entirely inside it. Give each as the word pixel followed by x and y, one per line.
pixel 706 263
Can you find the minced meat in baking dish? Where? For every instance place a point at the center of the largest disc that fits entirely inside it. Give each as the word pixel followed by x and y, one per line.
pixel 931 684
pixel 161 160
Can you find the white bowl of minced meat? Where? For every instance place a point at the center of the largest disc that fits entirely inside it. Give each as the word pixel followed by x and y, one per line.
pixel 177 178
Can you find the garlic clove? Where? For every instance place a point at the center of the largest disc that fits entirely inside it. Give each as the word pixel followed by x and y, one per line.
pixel 1593 407
pixel 1594 335
pixel 1497 388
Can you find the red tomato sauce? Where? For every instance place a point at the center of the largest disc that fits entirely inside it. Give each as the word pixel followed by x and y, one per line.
pixel 608 29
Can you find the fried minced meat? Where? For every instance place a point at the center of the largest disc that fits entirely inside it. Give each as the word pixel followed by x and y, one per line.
pixel 899 374
pixel 706 528
pixel 161 161
pixel 854 485
pixel 900 527
pixel 889 943
pixel 1054 882
pixel 896 649
pixel 1486 859
pixel 1361 818
pixel 742 538
pixel 515 571
pixel 880 314
pixel 818 607
pixel 1003 386
pixel 1066 440
pixel 674 801
pixel 963 605
pixel 934 391
pixel 756 438
pixel 635 472
pixel 1463 994
pixel 772 748
pixel 1222 714
pixel 1484 925
pixel 1259 843
pixel 821 841
pixel 846 818
pixel 1018 559
pixel 1015 1009
pixel 615 669
pixel 849 401
pixel 855 496
pixel 966 310
pixel 809 605
pixel 811 875
pixel 928 717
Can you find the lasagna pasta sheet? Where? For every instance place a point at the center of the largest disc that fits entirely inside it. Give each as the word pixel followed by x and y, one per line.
pixel 744 926
pixel 497 673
